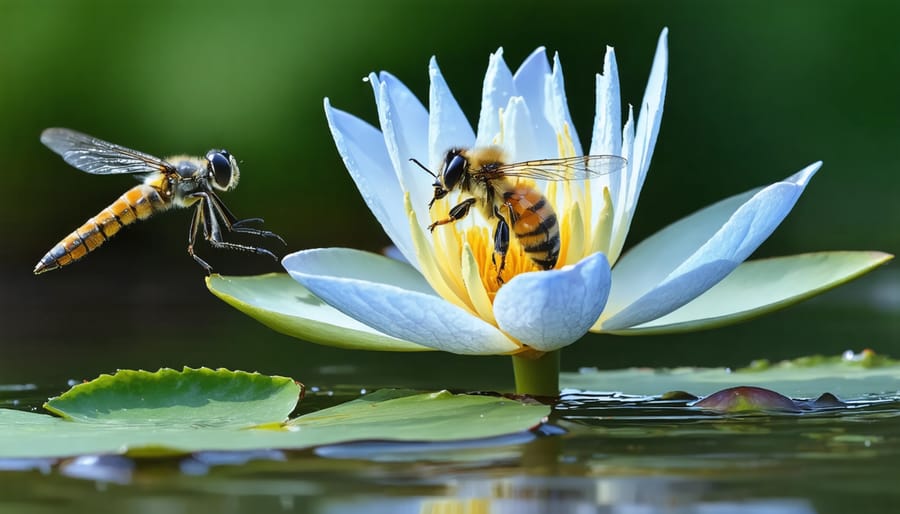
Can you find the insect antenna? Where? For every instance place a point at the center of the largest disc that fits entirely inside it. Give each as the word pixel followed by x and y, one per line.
pixel 419 164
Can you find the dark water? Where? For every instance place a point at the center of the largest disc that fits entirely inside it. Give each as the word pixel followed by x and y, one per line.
pixel 597 454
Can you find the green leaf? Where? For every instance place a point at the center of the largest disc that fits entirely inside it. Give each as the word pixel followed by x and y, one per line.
pixel 806 378
pixel 282 304
pixel 440 416
pixel 384 415
pixel 758 287
pixel 213 398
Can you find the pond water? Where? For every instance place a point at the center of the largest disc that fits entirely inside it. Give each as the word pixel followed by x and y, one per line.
pixel 598 453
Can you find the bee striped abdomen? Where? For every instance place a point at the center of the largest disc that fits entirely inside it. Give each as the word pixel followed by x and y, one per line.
pixel 535 225
pixel 138 203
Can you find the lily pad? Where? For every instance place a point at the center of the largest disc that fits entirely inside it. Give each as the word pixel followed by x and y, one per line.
pixel 846 376
pixel 282 304
pixel 167 397
pixel 113 416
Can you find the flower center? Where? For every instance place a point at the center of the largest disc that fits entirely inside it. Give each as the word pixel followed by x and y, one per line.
pixel 464 251
pixel 481 241
pixel 553 219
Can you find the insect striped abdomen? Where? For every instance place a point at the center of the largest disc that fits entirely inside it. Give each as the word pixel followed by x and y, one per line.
pixel 138 203
pixel 535 225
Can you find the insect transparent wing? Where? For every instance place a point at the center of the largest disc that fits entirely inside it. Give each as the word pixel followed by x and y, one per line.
pixel 97 156
pixel 567 168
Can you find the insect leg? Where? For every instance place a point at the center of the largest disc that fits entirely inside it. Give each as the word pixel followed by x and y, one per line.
pixel 235 225
pixel 457 213
pixel 501 244
pixel 246 221
pixel 197 221
pixel 214 233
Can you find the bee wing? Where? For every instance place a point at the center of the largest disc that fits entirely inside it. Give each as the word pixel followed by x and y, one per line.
pixel 566 168
pixel 97 156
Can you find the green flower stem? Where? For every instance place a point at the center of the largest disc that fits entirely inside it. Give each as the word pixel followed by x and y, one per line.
pixel 537 376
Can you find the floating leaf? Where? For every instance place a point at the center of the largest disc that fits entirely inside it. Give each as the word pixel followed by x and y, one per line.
pixel 439 416
pixel 746 399
pixel 846 376
pixel 282 304
pixel 168 398
pixel 385 415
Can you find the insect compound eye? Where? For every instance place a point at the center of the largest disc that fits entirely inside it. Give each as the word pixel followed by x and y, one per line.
pixel 220 167
pixel 454 166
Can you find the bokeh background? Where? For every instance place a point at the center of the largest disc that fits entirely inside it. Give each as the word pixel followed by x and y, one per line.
pixel 757 90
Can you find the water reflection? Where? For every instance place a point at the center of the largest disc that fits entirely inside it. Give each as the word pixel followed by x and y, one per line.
pixel 532 495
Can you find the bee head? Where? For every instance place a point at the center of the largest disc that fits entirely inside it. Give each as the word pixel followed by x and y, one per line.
pixel 455 165
pixel 222 169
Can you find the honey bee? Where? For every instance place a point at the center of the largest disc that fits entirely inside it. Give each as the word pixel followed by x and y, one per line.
pixel 517 205
pixel 179 181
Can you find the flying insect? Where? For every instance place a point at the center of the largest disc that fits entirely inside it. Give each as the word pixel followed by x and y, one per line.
pixel 175 182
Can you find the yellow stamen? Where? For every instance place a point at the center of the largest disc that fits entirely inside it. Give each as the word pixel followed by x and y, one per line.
pixel 431 263
pixel 571 247
pixel 481 241
pixel 472 277
pixel 600 239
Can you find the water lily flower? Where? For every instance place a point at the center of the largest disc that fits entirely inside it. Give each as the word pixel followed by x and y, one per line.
pixel 444 294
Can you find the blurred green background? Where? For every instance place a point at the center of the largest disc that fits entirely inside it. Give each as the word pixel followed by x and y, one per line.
pixel 757 90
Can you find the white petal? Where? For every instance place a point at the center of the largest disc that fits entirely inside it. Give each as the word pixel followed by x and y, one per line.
pixel 685 259
pixel 607 134
pixel 531 81
pixel 394 299
pixel 498 88
pixel 556 107
pixel 622 213
pixel 758 287
pixel 646 132
pixel 518 132
pixel 282 304
pixel 366 158
pixel 551 309
pixel 654 258
pixel 447 124
pixel 404 122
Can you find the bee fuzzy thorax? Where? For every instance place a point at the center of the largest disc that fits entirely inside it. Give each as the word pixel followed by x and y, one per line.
pixel 480 157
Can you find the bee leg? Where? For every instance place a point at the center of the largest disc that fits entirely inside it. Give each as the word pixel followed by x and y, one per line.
pixel 197 221
pixel 513 217
pixel 457 213
pixel 501 245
